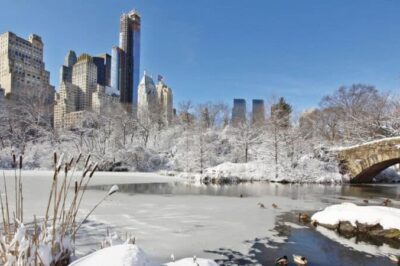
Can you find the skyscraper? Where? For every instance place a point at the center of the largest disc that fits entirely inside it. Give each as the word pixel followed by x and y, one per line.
pixel 129 60
pixel 165 101
pixel 84 75
pixel 66 69
pixel 22 69
pixel 148 108
pixel 103 63
pixel 258 113
pixel 154 101
pixel 238 112
pixel 115 67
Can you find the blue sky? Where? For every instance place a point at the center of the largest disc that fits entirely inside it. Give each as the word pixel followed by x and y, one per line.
pixel 216 50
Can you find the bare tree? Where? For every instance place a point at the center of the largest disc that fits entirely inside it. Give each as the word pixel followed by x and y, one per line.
pixel 358 112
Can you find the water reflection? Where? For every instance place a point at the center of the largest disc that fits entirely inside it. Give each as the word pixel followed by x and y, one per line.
pixel 292 191
pixel 372 191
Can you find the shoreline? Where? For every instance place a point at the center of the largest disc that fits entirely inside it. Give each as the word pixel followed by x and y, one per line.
pixel 165 176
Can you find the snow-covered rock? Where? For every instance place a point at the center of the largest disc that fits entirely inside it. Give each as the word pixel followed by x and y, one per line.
pixel 119 255
pixel 387 217
pixel 193 262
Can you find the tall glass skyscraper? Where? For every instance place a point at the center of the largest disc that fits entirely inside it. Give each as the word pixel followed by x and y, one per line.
pixel 129 58
pixel 115 67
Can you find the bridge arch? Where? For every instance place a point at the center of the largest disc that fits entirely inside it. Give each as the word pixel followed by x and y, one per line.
pixel 363 162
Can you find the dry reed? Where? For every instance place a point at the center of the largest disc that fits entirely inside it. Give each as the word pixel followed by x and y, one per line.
pixel 26 244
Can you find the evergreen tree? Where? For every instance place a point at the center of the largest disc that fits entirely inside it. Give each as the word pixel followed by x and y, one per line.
pixel 280 113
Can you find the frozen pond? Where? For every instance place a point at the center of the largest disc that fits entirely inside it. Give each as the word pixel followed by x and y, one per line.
pixel 220 222
pixel 287 236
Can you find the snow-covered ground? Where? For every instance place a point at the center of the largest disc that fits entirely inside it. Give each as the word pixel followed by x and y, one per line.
pixel 387 217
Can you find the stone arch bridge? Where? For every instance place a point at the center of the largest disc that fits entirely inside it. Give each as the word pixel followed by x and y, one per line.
pixel 363 162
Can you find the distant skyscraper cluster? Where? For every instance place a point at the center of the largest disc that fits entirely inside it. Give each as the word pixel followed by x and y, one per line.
pixel 84 86
pixel 93 82
pixel 239 112
pixel 22 70
pixel 86 83
pixel 146 101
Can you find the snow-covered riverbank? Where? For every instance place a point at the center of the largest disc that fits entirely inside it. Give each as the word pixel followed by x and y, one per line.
pixel 308 170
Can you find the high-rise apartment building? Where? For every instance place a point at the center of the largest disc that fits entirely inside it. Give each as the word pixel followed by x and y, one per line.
pixel 165 100
pixel 154 101
pixel 148 109
pixel 84 75
pixel 66 69
pixel 238 112
pixel 116 54
pixel 258 112
pixel 125 74
pixel 83 93
pixel 103 63
pixel 22 69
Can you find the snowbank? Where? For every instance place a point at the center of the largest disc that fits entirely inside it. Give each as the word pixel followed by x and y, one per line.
pixel 387 217
pixel 238 171
pixel 119 255
pixel 193 262
pixel 307 169
pixel 131 255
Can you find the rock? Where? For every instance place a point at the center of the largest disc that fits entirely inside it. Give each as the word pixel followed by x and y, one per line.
pixel 120 169
pixel 390 233
pixel 346 228
pixel 329 226
pixel 365 228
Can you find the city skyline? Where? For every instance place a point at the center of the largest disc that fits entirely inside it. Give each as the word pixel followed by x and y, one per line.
pixel 302 56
